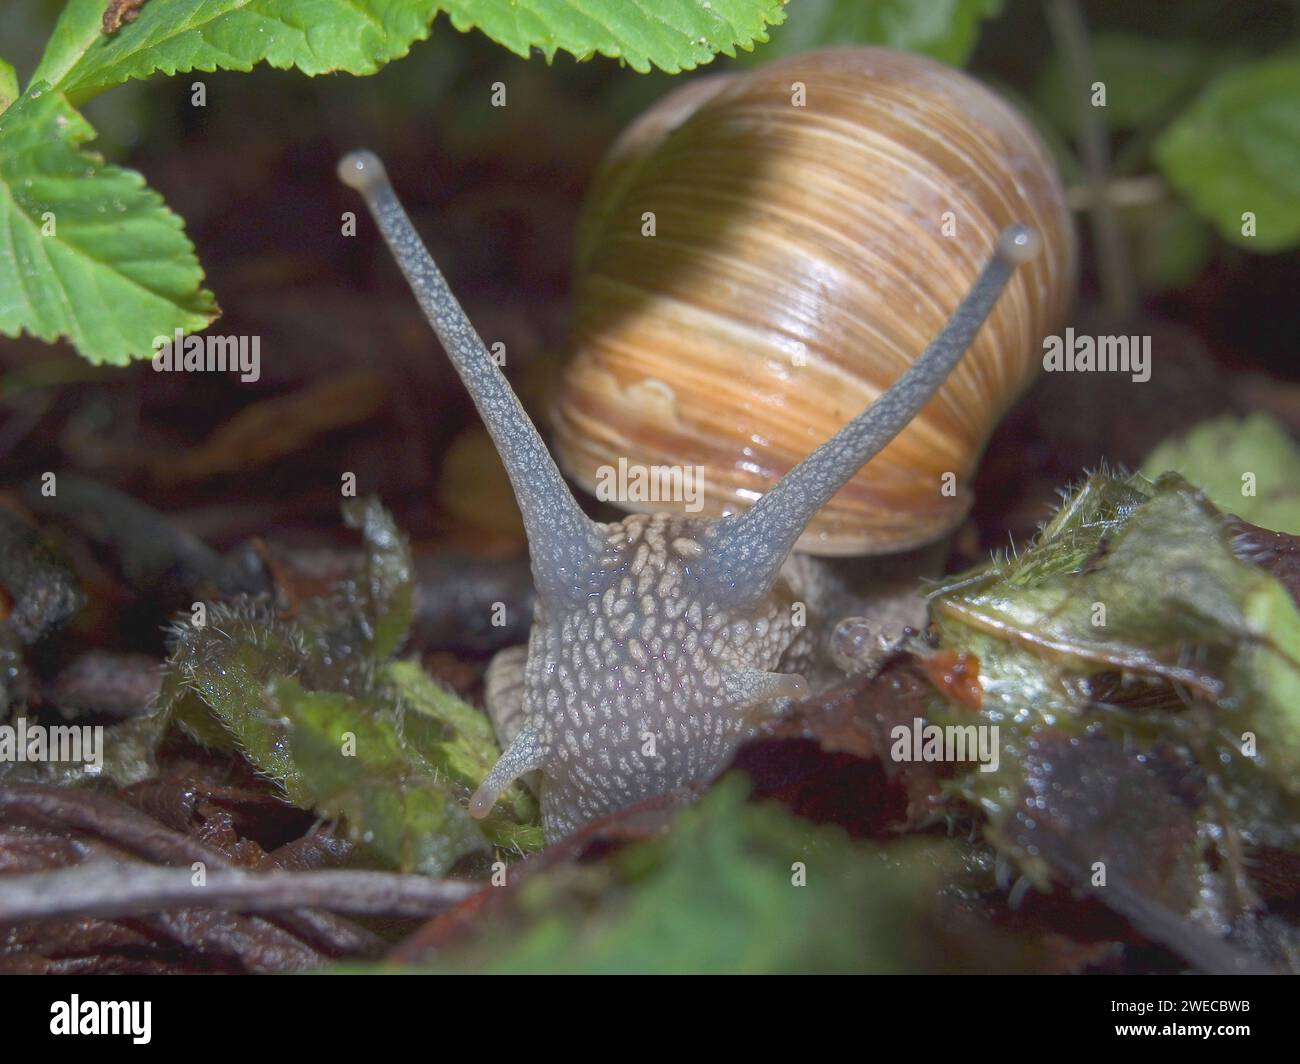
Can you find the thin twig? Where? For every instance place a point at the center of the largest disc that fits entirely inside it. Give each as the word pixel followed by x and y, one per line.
pixel 1121 192
pixel 1070 33
pixel 115 890
pixel 128 828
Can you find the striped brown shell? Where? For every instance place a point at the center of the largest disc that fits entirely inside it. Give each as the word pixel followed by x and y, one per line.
pixel 815 221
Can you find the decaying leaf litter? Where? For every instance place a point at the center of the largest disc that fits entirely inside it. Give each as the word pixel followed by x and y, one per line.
pixel 1121 744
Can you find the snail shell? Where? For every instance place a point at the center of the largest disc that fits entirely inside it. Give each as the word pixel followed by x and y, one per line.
pixel 799 264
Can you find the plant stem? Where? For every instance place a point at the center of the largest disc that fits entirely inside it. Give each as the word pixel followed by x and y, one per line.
pixel 1119 293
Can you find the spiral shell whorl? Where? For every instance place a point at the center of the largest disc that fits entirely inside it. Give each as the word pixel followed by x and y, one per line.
pixel 799 265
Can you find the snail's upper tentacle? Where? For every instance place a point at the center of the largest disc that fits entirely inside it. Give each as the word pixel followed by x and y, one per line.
pixel 563 542
pixel 745 551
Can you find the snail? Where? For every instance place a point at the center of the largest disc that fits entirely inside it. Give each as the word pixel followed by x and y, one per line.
pixel 661 641
pixel 803 255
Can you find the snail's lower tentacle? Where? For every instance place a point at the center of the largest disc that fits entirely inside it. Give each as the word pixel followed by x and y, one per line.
pixel 522 756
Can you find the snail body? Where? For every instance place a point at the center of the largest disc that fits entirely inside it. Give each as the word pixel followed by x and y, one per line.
pixel 647 686
pixel 661 641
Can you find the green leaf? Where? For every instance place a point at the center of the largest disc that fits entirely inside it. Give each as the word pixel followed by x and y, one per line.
pixel 116 270
pixel 396 760
pixel 313 704
pixel 944 29
pixel 80 25
pixel 1273 669
pixel 673 35
pixel 176 36
pixel 360 36
pixel 8 85
pixel 356 764
pixel 345 754
pixel 457 741
pixel 719 894
pixel 385 595
pixel 1236 151
pixel 1144 77
pixel 1247 467
pixel 1129 609
pixel 230 663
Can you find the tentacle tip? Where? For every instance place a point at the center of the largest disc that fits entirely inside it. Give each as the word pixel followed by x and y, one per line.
pixel 482 802
pixel 1019 243
pixel 361 170
pixel 792 686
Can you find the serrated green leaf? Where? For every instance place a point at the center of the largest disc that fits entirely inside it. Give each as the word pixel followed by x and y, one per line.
pixel 360 36
pixel 944 29
pixel 80 25
pixel 673 35
pixel 1249 467
pixel 116 270
pixel 176 36
pixel 1236 151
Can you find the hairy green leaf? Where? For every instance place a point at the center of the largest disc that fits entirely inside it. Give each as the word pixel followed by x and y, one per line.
pixel 385 592
pixel 230 663
pixel 457 741
pixel 314 704
pixel 396 759
pixel 87 251
pixel 355 763
pixel 1235 154
pixel 1127 611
